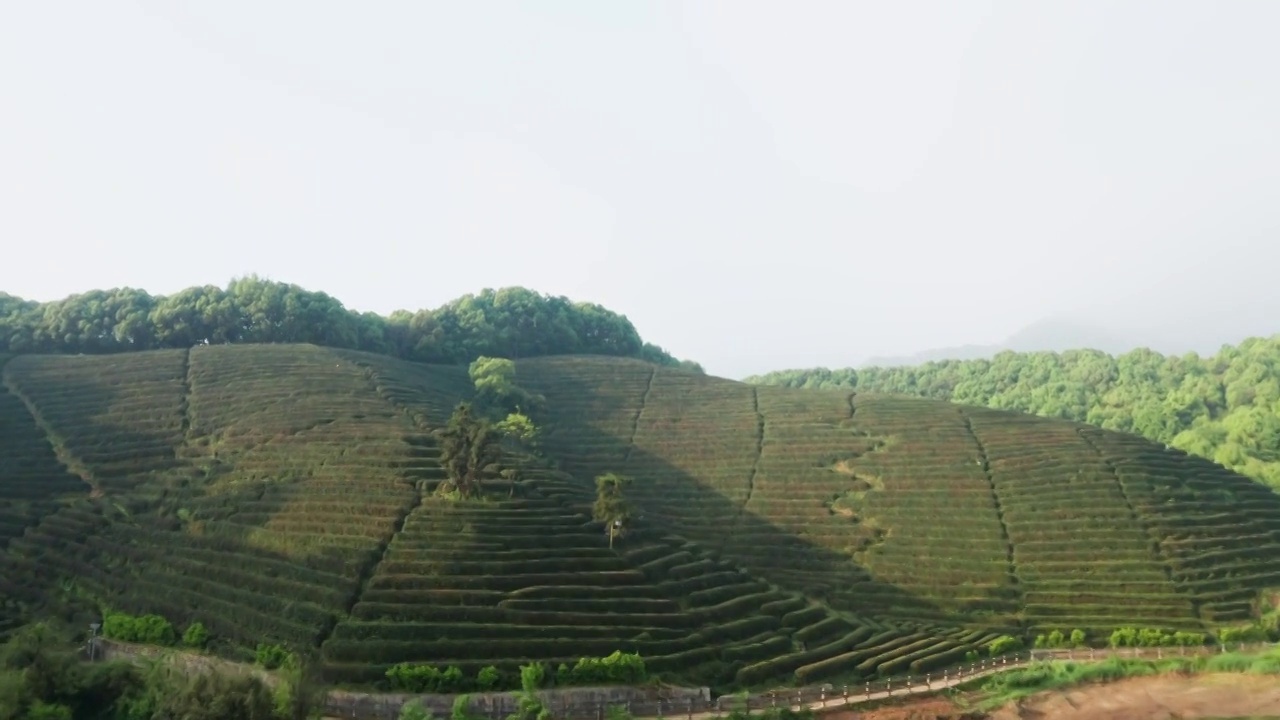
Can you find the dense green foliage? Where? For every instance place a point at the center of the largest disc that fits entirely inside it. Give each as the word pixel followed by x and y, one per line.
pixel 1225 408
pixel 510 322
pixel 150 629
pixel 611 506
pixel 468 445
pixel 618 668
pixel 42 677
pixel 284 498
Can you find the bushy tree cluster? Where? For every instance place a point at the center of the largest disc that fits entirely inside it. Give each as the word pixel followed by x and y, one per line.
pixel 1003 645
pixel 1225 408
pixel 149 629
pixel 1153 637
pixel 611 506
pixel 468 444
pixel 1058 639
pixel 415 678
pixel 617 669
pixel 510 322
pixel 42 677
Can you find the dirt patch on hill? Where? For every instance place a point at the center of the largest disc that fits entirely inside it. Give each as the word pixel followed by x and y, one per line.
pixel 1169 697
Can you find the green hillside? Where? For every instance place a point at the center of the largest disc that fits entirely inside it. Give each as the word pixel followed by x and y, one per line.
pixel 283 494
pixel 1225 408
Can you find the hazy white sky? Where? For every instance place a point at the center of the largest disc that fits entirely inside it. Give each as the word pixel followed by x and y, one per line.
pixel 755 184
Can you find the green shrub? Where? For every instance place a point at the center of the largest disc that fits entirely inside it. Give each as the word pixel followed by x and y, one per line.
pixel 1003 644
pixel 1078 638
pixel 532 676
pixel 272 656
pixel 149 629
pixel 1244 634
pixel 462 709
pixel 413 710
pixel 410 677
pixel 619 668
pixel 488 678
pixel 1151 637
pixel 1189 639
pixel 1058 639
pixel 195 636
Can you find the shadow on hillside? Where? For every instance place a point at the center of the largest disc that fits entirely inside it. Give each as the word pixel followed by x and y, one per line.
pixel 149 511
pixel 842 578
pixel 109 451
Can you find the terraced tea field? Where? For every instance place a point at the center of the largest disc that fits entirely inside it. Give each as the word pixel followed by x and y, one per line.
pixel 910 509
pixel 282 493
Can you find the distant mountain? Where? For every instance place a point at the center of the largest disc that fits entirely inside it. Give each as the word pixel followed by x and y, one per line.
pixel 1052 335
pixel 962 352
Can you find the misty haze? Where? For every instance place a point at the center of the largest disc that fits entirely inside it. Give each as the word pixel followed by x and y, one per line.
pixel 755 185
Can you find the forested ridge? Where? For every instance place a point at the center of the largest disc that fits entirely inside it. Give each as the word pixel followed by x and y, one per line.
pixel 1225 407
pixel 511 322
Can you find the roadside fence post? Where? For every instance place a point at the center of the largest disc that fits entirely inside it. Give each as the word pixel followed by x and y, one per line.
pixel 867 690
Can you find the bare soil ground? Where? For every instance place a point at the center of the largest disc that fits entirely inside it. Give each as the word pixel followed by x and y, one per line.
pixel 1168 697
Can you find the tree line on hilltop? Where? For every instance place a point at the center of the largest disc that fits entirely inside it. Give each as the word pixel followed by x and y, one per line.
pixel 511 322
pixel 1225 407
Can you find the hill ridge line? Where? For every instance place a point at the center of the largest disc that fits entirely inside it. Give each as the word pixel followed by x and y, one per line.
pixel 368 570
pixel 635 424
pixel 1157 550
pixel 755 465
pixel 995 495
pixel 65 457
pixel 184 407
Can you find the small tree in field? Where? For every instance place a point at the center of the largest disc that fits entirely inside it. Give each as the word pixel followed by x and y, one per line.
pixel 468 445
pixel 611 506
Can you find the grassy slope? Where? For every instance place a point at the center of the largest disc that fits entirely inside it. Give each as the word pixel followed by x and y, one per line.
pixel 274 493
